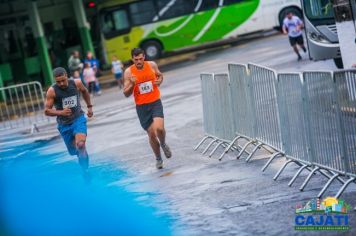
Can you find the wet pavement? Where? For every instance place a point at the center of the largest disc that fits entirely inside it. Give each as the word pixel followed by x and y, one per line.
pixel 201 195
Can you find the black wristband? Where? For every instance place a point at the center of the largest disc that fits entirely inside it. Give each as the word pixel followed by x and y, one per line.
pixel 89 106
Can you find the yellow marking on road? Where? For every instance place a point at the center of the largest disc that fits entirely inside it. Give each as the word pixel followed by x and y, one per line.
pixel 169 173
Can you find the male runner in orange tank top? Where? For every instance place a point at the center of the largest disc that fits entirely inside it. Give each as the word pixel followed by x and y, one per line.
pixel 142 80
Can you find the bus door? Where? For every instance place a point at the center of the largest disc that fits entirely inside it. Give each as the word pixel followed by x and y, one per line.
pixel 321 32
pixel 116 30
pixel 345 23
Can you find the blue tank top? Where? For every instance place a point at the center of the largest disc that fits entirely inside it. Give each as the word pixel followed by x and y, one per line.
pixel 70 98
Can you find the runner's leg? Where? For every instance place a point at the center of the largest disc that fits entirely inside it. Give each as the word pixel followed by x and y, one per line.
pixel 295 48
pixel 154 141
pixel 160 132
pixel 83 156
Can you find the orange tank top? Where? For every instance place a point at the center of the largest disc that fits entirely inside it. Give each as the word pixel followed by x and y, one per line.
pixel 145 91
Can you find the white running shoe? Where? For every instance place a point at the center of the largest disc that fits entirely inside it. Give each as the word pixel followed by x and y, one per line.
pixel 159 163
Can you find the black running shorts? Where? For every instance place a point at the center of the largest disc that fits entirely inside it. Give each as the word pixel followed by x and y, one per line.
pixel 296 40
pixel 147 112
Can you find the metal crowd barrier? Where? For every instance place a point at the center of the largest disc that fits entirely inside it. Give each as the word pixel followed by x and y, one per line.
pixel 310 118
pixel 294 128
pixel 243 116
pixel 22 106
pixel 268 128
pixel 218 115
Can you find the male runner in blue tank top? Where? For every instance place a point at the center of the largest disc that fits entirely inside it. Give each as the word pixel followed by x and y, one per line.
pixel 64 95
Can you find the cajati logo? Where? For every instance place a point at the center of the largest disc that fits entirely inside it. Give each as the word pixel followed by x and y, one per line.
pixel 328 214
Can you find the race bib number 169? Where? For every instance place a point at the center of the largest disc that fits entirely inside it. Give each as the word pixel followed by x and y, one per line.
pixel 145 87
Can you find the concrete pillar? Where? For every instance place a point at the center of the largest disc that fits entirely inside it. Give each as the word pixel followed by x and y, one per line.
pixel 83 26
pixel 41 42
pixel 345 15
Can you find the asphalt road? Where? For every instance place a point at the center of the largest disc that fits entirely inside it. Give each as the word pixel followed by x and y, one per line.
pixel 203 195
pixel 208 196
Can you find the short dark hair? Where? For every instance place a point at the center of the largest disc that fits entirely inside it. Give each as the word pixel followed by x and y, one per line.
pixel 137 51
pixel 59 71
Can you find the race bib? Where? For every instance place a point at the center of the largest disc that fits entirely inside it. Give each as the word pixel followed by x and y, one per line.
pixel 146 87
pixel 69 102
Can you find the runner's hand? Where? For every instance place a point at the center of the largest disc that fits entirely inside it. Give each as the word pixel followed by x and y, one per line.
pixel 90 112
pixel 158 81
pixel 133 79
pixel 66 112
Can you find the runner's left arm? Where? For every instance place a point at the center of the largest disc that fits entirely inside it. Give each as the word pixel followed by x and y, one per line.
pixel 300 24
pixel 159 75
pixel 86 96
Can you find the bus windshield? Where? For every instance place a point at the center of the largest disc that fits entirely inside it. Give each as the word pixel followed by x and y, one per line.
pixel 318 9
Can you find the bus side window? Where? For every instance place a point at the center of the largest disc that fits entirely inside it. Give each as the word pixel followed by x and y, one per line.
pixel 108 25
pixel 120 19
pixel 142 12
pixel 228 2
pixel 207 4
pixel 179 8
pixel 114 23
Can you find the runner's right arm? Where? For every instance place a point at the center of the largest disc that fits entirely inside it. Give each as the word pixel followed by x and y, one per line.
pixel 49 111
pixel 284 27
pixel 129 83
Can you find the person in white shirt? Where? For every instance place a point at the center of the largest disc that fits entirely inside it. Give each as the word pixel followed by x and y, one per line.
pixel 117 69
pixel 293 25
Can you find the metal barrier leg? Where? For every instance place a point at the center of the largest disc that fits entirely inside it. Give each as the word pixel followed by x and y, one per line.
pixel 327 185
pixel 270 160
pixel 342 189
pixel 216 147
pixel 281 169
pixel 244 148
pixel 235 148
pixel 34 128
pixel 297 174
pixel 209 145
pixel 228 147
pixel 341 181
pixel 308 178
pixel 201 142
pixel 253 152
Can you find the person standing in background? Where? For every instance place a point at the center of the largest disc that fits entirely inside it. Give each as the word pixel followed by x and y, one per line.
pixel 94 63
pixel 74 63
pixel 89 77
pixel 116 69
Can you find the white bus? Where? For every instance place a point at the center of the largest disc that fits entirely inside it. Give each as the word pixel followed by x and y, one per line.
pixel 160 26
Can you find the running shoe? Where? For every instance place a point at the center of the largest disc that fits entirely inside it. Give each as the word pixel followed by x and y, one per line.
pixel 166 150
pixel 159 163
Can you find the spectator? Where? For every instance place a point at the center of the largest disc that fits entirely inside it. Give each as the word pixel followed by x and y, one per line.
pixel 75 75
pixel 74 63
pixel 94 63
pixel 116 69
pixel 89 77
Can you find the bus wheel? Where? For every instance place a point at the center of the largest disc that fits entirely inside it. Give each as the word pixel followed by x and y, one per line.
pixel 153 50
pixel 338 63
